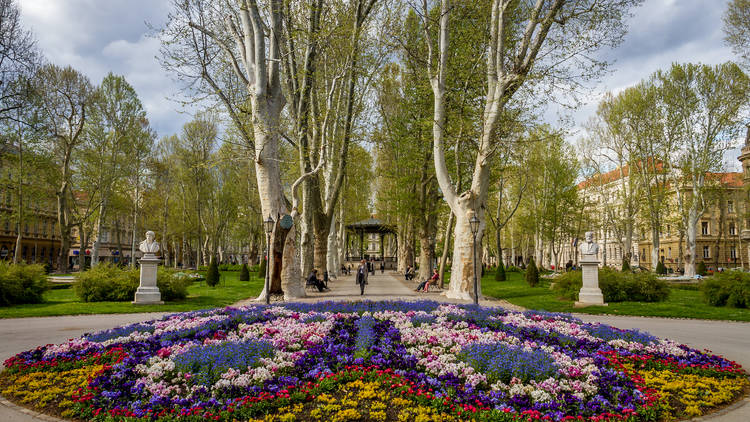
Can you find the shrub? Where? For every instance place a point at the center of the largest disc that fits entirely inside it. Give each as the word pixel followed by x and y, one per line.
pixel 730 288
pixel 700 269
pixel 500 272
pixel 172 284
pixel 532 274
pixel 660 268
pixel 616 286
pixel 21 283
pixel 212 276
pixel 512 269
pixel 230 267
pixel 106 282
pixel 625 264
pixel 244 273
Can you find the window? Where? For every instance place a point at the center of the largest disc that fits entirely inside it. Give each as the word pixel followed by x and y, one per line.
pixel 704 228
pixel 733 252
pixel 732 229
pixel 730 206
pixel 669 229
pixel 706 252
pixel 669 252
pixel 105 236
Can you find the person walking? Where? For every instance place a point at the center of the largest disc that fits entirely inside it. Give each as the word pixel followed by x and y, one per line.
pixel 382 267
pixel 361 278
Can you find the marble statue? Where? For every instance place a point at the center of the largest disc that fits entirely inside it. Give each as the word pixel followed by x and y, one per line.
pixel 589 247
pixel 149 246
pixel 148 292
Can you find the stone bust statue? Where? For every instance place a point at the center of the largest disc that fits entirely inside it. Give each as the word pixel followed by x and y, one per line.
pixel 149 246
pixel 589 247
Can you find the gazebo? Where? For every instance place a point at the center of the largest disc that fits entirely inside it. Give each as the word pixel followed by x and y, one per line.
pixel 371 225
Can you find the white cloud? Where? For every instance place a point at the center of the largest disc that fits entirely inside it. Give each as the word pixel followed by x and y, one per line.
pixel 101 36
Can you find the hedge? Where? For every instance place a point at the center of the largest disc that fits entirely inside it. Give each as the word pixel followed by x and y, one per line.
pixel 616 286
pixel 728 288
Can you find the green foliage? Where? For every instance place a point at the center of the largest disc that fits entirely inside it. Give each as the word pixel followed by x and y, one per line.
pixel 21 283
pixel 107 282
pixel 244 273
pixel 625 264
pixel 212 276
pixel 172 284
pixel 513 269
pixel 617 286
pixel 262 269
pixel 532 274
pixel 700 269
pixel 500 272
pixel 660 268
pixel 730 288
pixel 230 267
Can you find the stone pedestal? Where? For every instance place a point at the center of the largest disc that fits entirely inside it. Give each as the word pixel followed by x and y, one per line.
pixel 590 294
pixel 148 293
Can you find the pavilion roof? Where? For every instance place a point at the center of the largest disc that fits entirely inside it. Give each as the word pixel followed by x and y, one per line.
pixel 372 225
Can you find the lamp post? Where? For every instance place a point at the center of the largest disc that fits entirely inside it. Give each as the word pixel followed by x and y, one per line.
pixel 474 223
pixel 268 226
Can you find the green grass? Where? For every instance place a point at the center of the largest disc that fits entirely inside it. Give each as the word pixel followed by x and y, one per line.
pixel 681 303
pixel 65 302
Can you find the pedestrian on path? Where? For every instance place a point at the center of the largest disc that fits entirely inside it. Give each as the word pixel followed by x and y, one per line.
pixel 382 267
pixel 362 276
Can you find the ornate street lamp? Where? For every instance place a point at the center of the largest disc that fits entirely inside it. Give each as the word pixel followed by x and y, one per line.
pixel 474 223
pixel 268 226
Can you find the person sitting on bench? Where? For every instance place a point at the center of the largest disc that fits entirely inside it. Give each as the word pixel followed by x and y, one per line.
pixel 409 274
pixel 313 280
pixel 425 285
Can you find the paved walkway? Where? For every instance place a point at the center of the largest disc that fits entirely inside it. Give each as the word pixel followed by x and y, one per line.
pixel 729 339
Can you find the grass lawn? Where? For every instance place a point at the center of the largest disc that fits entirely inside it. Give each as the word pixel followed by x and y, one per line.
pixel 200 296
pixel 680 304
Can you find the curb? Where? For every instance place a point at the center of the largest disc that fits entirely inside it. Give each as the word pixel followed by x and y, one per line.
pixel 32 413
pixel 727 411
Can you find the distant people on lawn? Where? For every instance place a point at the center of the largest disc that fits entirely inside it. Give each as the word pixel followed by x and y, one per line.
pixel 361 278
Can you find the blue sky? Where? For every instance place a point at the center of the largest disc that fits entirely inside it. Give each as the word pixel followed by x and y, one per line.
pixel 99 36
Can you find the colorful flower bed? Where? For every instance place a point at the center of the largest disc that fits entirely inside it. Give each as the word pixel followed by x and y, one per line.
pixel 370 361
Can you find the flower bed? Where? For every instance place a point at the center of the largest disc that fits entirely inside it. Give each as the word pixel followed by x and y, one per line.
pixel 374 361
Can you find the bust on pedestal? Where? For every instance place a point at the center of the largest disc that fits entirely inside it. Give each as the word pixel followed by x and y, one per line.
pixel 148 293
pixel 590 293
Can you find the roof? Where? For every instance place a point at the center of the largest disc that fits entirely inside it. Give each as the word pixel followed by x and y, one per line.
pixel 371 224
pixel 731 179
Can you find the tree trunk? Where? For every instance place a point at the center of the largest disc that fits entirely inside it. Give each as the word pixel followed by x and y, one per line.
pixel 655 251
pixel 97 242
pixel 135 222
pixel 333 248
pixel 446 245
pixel 462 273
pixel 691 232
pixel 425 255
pixel 19 187
pixel 283 260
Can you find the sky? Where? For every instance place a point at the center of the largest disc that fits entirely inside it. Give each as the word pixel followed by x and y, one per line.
pixel 102 36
